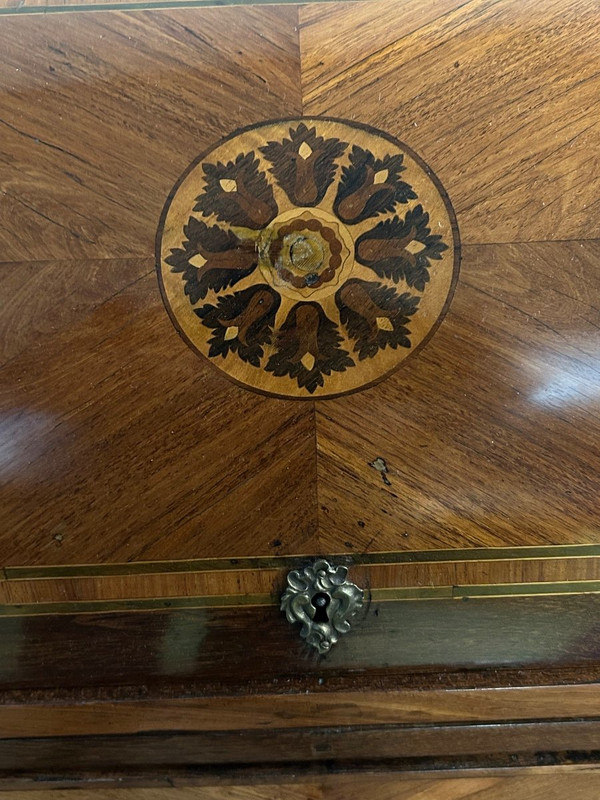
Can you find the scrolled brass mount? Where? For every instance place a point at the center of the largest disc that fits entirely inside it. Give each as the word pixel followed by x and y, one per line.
pixel 320 597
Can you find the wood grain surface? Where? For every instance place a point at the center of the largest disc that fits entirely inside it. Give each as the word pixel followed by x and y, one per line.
pixel 90 383
pixel 162 751
pixel 11 7
pixel 510 442
pixel 121 446
pixel 518 575
pixel 526 787
pixel 441 643
pixel 75 84
pixel 58 716
pixel 500 97
pixel 135 410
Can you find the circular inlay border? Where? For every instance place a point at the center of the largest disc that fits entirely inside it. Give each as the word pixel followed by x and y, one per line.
pixel 307 257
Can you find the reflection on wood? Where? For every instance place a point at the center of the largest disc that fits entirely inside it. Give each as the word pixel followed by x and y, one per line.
pixel 490 437
pixel 121 436
pixel 441 643
pixel 119 445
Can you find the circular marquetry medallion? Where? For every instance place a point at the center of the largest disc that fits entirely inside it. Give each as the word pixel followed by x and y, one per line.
pixel 307 257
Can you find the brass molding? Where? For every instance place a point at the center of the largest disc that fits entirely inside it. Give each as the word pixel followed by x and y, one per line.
pixel 485 591
pixel 533 553
pixel 138 604
pixel 151 5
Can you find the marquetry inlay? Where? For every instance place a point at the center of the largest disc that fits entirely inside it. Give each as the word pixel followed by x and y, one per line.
pixel 307 257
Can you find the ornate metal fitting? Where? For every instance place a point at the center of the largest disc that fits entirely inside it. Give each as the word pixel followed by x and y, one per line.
pixel 320 597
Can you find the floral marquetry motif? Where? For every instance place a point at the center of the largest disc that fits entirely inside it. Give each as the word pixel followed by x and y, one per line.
pixel 309 257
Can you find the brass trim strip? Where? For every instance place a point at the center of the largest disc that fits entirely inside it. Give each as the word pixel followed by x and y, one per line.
pixel 485 591
pixel 412 593
pixel 530 553
pixel 150 5
pixel 138 604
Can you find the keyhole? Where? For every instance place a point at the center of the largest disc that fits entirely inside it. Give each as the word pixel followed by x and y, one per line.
pixel 320 601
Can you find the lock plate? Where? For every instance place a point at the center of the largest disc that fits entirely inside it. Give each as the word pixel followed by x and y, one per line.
pixel 320 597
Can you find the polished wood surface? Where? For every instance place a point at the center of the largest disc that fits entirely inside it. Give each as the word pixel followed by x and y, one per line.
pixel 441 643
pixel 11 7
pixel 123 451
pixel 85 425
pixel 64 717
pixel 504 574
pixel 81 456
pixel 72 84
pixel 123 446
pixel 488 787
pixel 162 751
pixel 507 453
pixel 501 97
pixel 435 685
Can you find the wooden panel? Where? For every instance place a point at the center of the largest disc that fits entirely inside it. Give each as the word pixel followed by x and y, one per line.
pixel 57 6
pixel 115 433
pixel 339 787
pixel 392 644
pixel 501 102
pixel 51 6
pixel 33 296
pixel 539 787
pixel 490 437
pixel 102 112
pixel 122 446
pixel 357 33
pixel 206 463
pixel 172 750
pixel 314 708
pixel 124 452
pixel 241 582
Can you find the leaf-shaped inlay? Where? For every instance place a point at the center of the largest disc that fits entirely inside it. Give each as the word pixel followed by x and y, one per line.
pixel 308 347
pixel 401 248
pixel 304 165
pixel 238 193
pixel 370 186
pixel 241 322
pixel 211 258
pixel 307 257
pixel 375 316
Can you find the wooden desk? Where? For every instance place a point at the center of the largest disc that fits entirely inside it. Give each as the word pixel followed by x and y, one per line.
pixel 151 507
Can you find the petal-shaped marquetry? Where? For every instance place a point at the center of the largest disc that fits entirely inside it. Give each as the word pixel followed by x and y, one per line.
pixel 370 186
pixel 304 164
pixel 241 322
pixel 308 347
pixel 375 316
pixel 211 258
pixel 401 249
pixel 237 192
pixel 341 246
